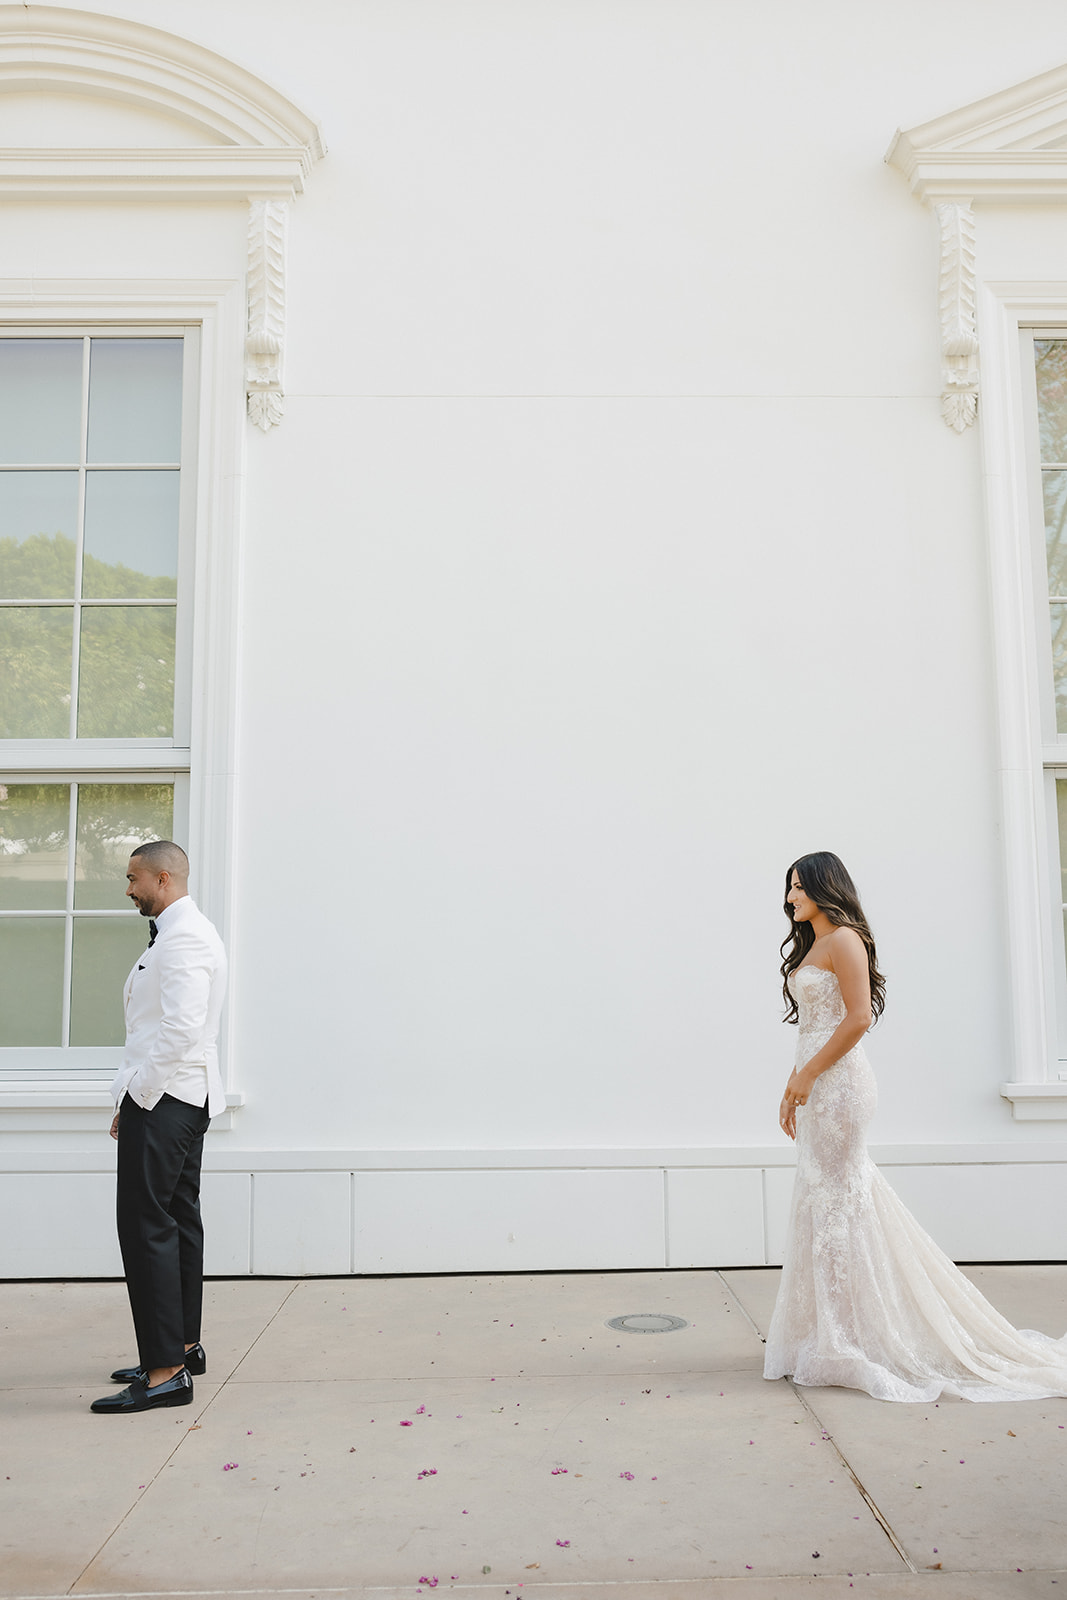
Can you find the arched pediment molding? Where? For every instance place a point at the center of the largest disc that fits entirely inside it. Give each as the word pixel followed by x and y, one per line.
pixel 249 139
pixel 246 141
pixel 1010 147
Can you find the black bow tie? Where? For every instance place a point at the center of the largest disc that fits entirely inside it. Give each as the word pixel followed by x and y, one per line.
pixel 152 931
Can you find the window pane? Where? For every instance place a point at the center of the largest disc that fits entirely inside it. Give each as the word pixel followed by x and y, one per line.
pixel 40 400
pixel 135 400
pixel 127 673
pixel 33 845
pixel 105 948
pixel 1058 621
pixel 38 530
pixel 35 655
pixel 1061 808
pixel 131 535
pixel 31 980
pixel 1055 492
pixel 112 819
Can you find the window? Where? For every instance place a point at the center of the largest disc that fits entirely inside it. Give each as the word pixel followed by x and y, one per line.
pixel 1049 355
pixel 95 562
pixel 91 729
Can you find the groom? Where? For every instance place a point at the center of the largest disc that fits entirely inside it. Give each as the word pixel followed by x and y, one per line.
pixel 166 1092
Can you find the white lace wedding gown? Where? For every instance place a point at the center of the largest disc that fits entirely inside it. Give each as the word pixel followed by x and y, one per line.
pixel 867 1300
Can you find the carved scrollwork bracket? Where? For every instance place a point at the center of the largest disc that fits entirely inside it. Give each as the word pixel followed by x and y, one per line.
pixel 264 345
pixel 959 337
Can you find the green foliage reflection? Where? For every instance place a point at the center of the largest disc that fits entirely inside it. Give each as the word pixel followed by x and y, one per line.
pixel 127 673
pixel 35 653
pixel 127 652
pixel 33 845
pixel 112 819
pixel 38 568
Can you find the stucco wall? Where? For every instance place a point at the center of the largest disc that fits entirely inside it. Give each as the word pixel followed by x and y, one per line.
pixel 612 553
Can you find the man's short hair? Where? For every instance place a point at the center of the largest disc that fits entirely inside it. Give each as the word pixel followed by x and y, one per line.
pixel 163 855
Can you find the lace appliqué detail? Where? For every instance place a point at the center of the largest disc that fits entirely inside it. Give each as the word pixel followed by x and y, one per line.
pixel 867 1300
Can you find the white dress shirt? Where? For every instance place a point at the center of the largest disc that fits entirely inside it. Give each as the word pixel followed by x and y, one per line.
pixel 173 999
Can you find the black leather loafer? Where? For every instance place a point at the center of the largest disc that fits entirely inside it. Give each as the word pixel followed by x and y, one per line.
pixel 195 1362
pixel 176 1391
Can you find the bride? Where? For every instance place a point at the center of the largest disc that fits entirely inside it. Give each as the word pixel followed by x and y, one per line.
pixel 867 1300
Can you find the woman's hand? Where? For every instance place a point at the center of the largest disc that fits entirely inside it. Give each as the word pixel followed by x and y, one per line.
pixel 796 1094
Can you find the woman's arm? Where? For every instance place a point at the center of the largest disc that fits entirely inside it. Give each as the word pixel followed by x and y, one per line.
pixel 848 960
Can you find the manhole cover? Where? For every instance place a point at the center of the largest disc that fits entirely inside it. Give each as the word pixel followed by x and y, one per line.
pixel 647 1322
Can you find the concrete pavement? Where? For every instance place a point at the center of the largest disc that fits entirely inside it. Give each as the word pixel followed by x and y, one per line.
pixel 490 1436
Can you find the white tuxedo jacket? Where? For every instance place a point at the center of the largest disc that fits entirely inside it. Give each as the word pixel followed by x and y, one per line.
pixel 173 999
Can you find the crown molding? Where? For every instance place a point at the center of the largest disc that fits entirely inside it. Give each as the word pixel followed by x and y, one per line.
pixel 1011 146
pixel 263 145
pixel 262 149
pixel 144 174
pixel 56 49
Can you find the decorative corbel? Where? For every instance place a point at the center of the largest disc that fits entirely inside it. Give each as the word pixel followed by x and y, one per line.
pixel 959 339
pixel 266 311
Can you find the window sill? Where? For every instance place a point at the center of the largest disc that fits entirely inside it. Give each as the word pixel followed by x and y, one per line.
pixel 1036 1102
pixel 72 1108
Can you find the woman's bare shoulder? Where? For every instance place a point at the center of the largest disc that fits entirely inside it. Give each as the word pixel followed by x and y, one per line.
pixel 844 943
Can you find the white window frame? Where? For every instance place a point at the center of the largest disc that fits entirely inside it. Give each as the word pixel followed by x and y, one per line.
pixel 216 443
pixel 1010 314
pixel 1053 745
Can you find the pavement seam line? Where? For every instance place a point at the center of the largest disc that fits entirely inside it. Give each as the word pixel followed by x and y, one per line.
pixel 178 1444
pixel 357 1593
pixel 740 1304
pixel 875 1512
pixel 869 1502
pixel 264 1330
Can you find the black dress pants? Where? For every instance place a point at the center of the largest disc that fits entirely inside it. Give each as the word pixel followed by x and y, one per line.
pixel 160 1232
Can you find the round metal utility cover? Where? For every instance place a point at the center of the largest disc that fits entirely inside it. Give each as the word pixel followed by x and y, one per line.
pixel 647 1322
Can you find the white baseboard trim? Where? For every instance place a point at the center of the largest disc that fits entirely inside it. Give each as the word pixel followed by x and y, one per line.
pixel 296 1213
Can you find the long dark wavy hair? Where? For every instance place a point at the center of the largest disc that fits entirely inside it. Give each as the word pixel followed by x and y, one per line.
pixel 824 878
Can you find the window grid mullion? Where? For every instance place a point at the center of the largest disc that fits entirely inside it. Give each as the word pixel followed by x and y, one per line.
pixel 79 545
pixel 118 600
pixel 68 926
pixel 10 912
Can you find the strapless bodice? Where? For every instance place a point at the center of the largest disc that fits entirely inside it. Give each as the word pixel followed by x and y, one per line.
pixel 818 997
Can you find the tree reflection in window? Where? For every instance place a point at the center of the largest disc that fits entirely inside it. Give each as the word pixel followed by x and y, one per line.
pixel 126 670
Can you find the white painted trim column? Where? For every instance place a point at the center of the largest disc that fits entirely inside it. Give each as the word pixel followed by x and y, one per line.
pixel 1002 308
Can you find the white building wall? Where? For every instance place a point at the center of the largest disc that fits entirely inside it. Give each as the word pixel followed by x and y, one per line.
pixel 612 553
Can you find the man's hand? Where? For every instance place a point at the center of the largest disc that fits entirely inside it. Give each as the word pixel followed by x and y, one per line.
pixel 115 1126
